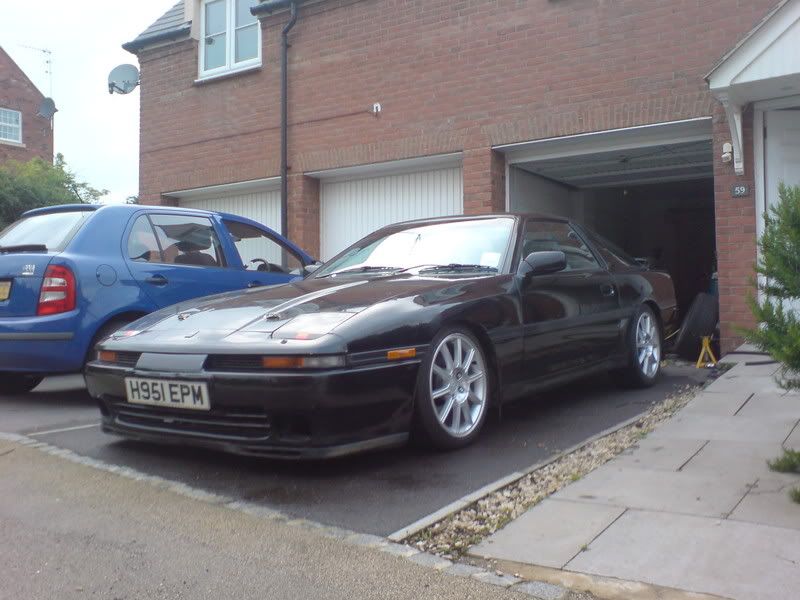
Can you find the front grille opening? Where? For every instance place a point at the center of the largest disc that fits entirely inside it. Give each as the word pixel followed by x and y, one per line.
pixel 233 424
pixel 234 363
pixel 293 428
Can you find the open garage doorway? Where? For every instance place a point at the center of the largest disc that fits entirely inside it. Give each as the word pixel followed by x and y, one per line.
pixel 649 190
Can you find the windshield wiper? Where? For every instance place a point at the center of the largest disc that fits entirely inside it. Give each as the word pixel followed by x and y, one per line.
pixel 363 269
pixel 24 248
pixel 458 267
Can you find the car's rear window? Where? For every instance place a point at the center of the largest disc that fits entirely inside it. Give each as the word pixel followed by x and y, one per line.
pixel 54 230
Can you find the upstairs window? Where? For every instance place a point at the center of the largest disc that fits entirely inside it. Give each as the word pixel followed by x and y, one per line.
pixel 231 36
pixel 10 125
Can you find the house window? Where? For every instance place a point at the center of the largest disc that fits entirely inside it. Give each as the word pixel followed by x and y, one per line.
pixel 231 36
pixel 10 125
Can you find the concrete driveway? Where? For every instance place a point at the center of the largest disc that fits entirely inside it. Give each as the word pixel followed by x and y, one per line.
pixel 377 493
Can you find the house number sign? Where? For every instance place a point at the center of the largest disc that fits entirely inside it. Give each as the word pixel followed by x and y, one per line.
pixel 740 191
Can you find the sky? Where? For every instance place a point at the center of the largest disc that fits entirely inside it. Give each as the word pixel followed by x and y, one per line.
pixel 97 133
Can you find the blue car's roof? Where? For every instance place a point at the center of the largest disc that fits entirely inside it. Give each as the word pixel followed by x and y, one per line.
pixel 130 208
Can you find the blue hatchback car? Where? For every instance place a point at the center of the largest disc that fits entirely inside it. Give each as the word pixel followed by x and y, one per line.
pixel 71 275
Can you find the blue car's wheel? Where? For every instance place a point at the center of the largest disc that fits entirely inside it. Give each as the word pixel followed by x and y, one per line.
pixel 17 383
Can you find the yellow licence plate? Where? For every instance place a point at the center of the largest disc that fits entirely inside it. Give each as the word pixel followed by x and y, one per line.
pixel 5 290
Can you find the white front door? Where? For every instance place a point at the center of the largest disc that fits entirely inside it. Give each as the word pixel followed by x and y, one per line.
pixel 782 160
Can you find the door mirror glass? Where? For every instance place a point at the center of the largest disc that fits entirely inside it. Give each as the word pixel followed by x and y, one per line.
pixel 542 263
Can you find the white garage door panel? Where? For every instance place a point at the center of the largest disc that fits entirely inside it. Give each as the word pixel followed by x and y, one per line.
pixel 352 209
pixel 262 207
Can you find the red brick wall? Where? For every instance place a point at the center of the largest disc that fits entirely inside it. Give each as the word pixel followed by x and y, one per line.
pixel 303 212
pixel 736 232
pixel 450 76
pixel 18 93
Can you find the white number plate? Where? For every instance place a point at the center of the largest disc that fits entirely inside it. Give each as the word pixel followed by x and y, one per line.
pixel 190 395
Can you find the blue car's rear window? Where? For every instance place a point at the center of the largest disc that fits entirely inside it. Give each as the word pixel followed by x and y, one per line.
pixel 54 230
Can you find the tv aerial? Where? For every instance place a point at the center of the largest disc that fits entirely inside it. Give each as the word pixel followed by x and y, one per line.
pixel 123 79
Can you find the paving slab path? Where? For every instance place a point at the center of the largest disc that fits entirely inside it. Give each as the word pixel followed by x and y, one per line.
pixel 693 506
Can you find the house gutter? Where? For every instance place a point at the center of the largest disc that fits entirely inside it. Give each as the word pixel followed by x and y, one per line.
pixel 268 8
pixel 166 36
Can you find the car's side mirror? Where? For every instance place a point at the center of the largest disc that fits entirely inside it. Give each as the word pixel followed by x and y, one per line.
pixel 309 269
pixel 542 263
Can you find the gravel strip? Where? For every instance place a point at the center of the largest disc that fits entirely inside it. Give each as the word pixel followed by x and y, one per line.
pixel 452 537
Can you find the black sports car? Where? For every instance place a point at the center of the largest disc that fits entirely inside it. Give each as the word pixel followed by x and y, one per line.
pixel 419 326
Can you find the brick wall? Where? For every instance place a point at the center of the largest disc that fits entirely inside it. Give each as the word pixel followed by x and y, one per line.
pixel 451 75
pixel 18 93
pixel 736 232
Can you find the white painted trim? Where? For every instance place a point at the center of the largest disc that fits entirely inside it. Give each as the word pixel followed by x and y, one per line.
pixel 230 66
pixel 672 132
pixel 778 103
pixel 211 191
pixel 754 45
pixel 19 141
pixel 733 112
pixel 759 174
pixel 508 187
pixel 395 167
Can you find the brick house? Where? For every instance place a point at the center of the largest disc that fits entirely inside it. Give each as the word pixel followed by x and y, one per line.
pixel 644 119
pixel 24 134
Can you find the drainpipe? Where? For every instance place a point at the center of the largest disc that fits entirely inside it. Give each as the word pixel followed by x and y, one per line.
pixel 268 7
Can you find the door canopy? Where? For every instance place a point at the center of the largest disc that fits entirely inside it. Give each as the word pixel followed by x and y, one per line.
pixel 765 65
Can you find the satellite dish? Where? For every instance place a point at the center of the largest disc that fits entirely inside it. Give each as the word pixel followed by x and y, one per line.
pixel 47 108
pixel 123 79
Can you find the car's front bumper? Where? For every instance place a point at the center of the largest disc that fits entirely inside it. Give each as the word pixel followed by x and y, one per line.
pixel 318 414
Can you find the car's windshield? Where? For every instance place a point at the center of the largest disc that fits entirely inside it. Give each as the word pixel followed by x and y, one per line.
pixel 480 243
pixel 53 230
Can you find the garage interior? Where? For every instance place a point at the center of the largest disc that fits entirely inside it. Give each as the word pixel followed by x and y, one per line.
pixel 654 201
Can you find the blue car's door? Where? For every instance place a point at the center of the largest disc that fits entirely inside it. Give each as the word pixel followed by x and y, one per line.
pixel 266 258
pixel 176 257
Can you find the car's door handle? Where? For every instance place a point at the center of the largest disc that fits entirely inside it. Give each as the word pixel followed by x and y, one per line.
pixel 607 290
pixel 157 280
pixel 254 284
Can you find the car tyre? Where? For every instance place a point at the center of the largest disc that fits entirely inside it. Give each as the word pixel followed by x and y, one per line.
pixel 644 346
pixel 701 320
pixel 18 383
pixel 453 390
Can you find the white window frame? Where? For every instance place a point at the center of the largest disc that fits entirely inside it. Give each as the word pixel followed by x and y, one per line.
pixel 230 38
pixel 19 139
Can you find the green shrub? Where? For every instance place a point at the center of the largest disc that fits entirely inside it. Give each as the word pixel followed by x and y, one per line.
pixel 778 309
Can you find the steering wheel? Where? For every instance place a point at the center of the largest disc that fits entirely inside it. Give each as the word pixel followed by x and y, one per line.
pixel 267 267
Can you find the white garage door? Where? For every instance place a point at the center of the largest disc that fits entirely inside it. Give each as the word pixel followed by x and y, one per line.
pixel 351 209
pixel 263 207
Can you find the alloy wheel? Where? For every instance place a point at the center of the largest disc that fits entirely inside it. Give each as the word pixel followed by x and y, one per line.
pixel 648 345
pixel 458 384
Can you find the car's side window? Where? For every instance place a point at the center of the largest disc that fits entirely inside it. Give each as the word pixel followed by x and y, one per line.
pixel 259 251
pixel 553 235
pixel 142 244
pixel 187 240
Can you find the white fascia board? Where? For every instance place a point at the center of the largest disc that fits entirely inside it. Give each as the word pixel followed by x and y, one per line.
pixel 395 167
pixel 227 189
pixel 673 132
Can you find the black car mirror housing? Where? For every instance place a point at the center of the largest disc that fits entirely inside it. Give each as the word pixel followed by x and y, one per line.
pixel 309 269
pixel 542 263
